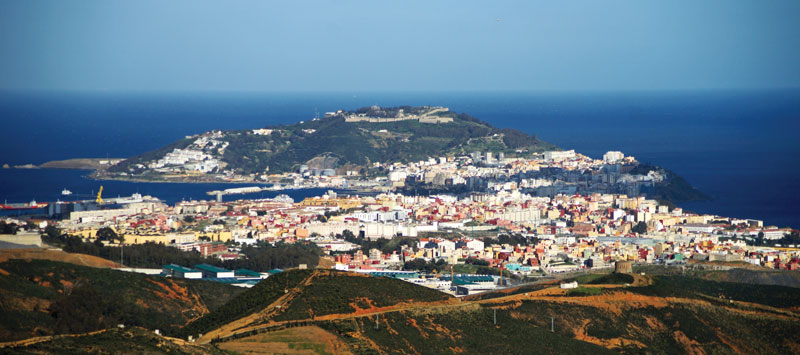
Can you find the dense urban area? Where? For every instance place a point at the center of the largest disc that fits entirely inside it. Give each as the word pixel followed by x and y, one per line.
pixel 487 221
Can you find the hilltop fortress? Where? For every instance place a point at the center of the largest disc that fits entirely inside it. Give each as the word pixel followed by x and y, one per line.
pixel 375 114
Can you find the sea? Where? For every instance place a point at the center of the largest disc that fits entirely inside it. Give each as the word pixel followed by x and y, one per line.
pixel 741 147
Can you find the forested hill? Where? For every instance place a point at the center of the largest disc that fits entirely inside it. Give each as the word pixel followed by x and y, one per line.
pixel 349 139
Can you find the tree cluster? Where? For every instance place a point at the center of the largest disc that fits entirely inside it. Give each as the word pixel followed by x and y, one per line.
pixel 639 228
pixel 108 234
pixel 8 228
pixel 792 238
pixel 261 257
pixel 383 244
pixel 425 266
pixel 512 239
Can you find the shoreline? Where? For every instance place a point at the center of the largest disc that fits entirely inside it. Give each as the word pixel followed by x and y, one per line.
pixel 94 177
pixel 79 163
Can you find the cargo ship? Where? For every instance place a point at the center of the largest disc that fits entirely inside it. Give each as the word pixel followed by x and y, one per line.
pixel 22 206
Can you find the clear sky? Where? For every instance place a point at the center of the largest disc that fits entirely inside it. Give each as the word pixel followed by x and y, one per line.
pixel 424 45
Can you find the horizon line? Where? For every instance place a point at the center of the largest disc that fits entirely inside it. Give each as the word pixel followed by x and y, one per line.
pixel 388 91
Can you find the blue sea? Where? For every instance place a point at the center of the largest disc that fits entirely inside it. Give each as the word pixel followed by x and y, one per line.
pixel 740 147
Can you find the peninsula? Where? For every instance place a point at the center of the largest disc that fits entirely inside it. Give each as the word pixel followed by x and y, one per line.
pixel 427 149
pixel 341 141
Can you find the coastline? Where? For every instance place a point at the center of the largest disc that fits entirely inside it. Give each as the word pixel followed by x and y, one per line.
pixel 79 163
pixel 92 176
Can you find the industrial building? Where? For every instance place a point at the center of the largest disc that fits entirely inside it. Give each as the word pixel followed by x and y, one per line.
pixel 173 270
pixel 211 271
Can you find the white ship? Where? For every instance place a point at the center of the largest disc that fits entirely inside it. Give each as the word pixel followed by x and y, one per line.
pixel 66 192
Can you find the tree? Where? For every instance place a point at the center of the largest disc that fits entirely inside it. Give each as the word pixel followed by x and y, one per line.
pixel 424 266
pixel 639 228
pixel 108 234
pixel 30 226
pixel 477 262
pixel 791 238
pixel 188 219
pixel 52 231
pixel 10 228
pixel 348 235
pixel 760 238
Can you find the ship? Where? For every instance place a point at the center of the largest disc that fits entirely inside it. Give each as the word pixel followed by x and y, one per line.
pixel 135 198
pixel 66 192
pixel 23 206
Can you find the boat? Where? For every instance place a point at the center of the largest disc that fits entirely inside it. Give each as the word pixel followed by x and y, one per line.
pixel 66 192
pixel 134 198
pixel 22 206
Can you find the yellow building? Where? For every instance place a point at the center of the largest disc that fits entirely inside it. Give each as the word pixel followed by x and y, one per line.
pixel 169 238
pixel 342 203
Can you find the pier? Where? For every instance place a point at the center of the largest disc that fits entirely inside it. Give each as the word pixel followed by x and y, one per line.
pixel 236 191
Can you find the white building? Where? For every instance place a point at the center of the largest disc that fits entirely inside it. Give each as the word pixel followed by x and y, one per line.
pixel 699 228
pixel 569 285
pixel 475 244
pixel 558 155
pixel 613 156
pixel 337 245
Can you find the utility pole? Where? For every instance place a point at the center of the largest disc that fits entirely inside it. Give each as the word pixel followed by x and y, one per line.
pixel 495 316
pixel 552 328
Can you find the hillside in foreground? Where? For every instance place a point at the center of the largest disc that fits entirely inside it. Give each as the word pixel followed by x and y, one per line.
pixel 620 313
pixel 56 255
pixel 44 298
pixel 657 314
pixel 129 340
pixel 324 311
pixel 300 295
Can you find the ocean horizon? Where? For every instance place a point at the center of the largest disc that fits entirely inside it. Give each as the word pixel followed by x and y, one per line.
pixel 738 146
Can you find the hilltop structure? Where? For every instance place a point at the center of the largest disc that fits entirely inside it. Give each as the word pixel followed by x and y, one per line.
pixel 428 114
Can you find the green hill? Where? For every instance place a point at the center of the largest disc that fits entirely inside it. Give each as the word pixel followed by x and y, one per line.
pixel 130 340
pixel 345 293
pixel 306 294
pixel 338 141
pixel 253 300
pixel 41 297
pixel 666 314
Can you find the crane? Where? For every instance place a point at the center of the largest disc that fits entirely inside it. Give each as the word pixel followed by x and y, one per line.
pixel 99 199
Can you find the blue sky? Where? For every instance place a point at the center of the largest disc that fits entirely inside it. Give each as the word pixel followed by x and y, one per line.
pixel 399 45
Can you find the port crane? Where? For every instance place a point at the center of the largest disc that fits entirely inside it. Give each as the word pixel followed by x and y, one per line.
pixel 99 199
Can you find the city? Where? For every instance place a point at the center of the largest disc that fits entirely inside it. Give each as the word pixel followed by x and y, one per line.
pixel 555 213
